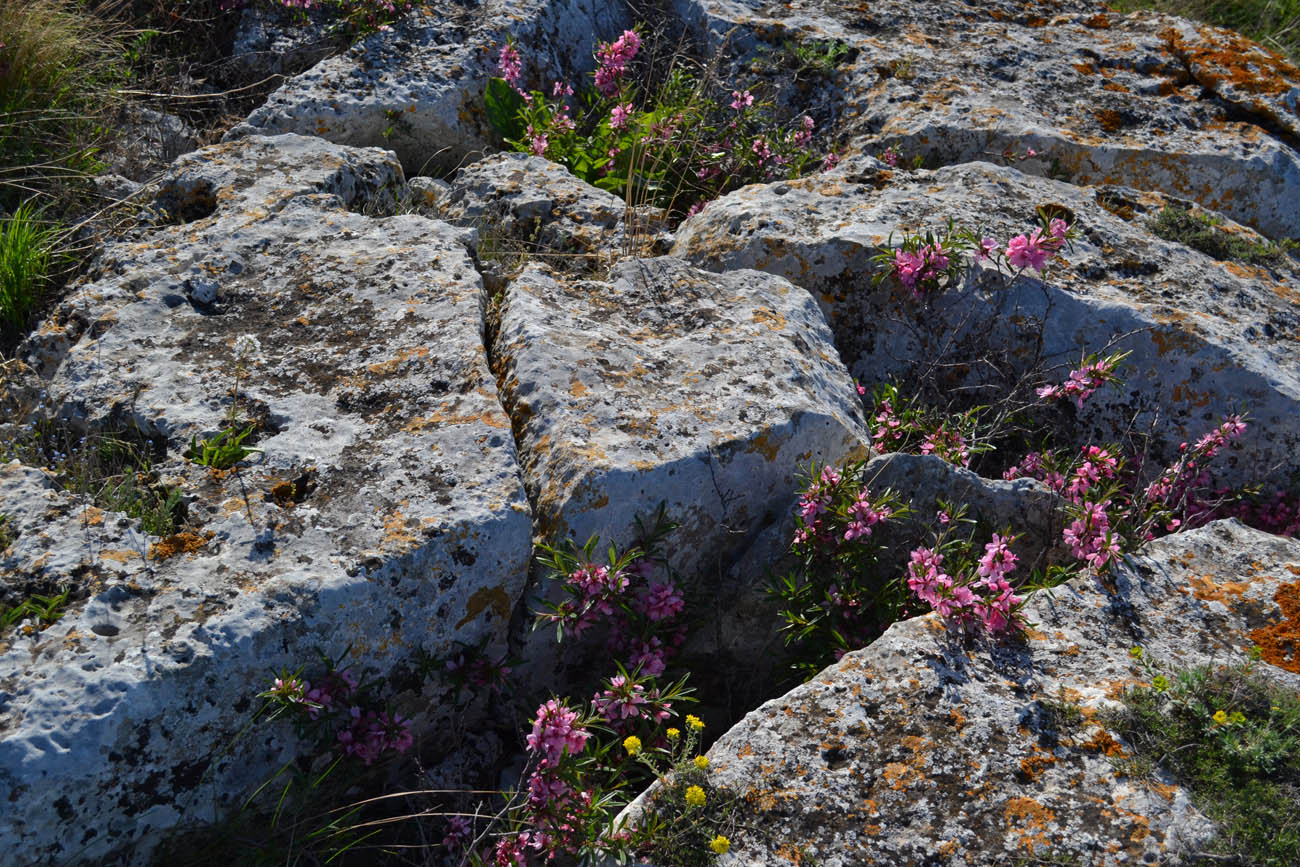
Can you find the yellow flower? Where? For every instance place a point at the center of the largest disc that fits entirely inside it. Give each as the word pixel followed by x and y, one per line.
pixel 702 762
pixel 1220 717
pixel 720 845
pixel 694 722
pixel 674 734
pixel 632 745
pixel 695 796
pixel 1135 652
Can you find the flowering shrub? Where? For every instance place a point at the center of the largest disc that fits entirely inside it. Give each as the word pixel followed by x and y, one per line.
pixel 639 613
pixel 930 262
pixel 677 145
pixel 339 712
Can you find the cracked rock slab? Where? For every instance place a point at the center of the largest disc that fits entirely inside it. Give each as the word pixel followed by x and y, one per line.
pixel 384 514
pixel 667 383
pixel 1207 337
pixel 919 749
pixel 1142 100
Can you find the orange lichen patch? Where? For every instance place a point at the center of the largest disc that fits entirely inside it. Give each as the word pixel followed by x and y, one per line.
pixel 1110 120
pixel 898 775
pixel 576 388
pixel 494 597
pixel 745 752
pixel 178 543
pixel 1165 790
pixel 1104 742
pixel 947 848
pixel 1222 55
pixel 1100 21
pixel 957 719
pixel 1205 588
pixel 1245 271
pixel 1280 642
pixel 1168 340
pixel 1029 820
pixel 1032 766
pixel 1085 69
pixel 92 516
pixel 1115 86
pixel 120 556
pixel 771 318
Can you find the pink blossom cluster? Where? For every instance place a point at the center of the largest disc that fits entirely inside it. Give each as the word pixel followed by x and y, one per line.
pixel 863 516
pixel 625 700
pixel 510 65
pixel 948 444
pixel 369 734
pixel 921 269
pixel 1033 250
pixel 1084 381
pixel 613 59
pixel 1037 465
pixel 1177 487
pixel 988 599
pixel 337 687
pixel 803 138
pixel 557 732
pixel 891 157
pixel 1090 537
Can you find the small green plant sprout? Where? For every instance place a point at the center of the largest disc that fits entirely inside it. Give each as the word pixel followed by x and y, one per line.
pixel 26 248
pixel 7 535
pixel 222 451
pixel 43 610
pixel 1232 739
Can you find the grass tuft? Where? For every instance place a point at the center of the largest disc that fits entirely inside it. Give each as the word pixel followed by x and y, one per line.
pixel 1272 23
pixel 1233 740
pixel 26 247
pixel 1205 233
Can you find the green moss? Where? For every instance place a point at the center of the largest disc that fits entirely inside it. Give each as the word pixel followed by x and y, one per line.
pixel 1205 233
pixel 1233 740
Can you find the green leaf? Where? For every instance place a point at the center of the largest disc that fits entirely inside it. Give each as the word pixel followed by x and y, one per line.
pixel 504 107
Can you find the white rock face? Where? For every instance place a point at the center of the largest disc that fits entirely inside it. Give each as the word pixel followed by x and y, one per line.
pixel 385 513
pixel 418 88
pixel 1207 337
pixel 670 384
pixel 918 748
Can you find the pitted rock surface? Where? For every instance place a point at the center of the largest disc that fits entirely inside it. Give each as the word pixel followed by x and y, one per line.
pixel 919 749
pixel 418 88
pixel 384 515
pixel 670 384
pixel 1207 337
pixel 534 208
pixel 1142 100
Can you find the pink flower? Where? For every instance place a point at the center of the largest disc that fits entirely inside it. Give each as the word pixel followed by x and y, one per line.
pixel 830 161
pixel 662 602
pixel 1031 251
pixel 556 732
pixel 621 701
pixel 562 89
pixel 1058 228
pixel 741 100
pixel 986 248
pixel 510 64
pixel 537 141
pixel 998 559
pixel 620 115
pixel 890 157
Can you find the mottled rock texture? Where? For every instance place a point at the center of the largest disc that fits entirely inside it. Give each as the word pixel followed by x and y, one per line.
pixel 384 515
pixel 1143 100
pixel 920 749
pixel 1207 337
pixel 418 88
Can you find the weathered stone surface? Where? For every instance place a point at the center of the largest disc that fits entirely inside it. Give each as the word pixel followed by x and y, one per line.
pixel 918 749
pixel 1207 337
pixel 670 384
pixel 540 210
pixel 1142 100
pixel 418 88
pixel 385 513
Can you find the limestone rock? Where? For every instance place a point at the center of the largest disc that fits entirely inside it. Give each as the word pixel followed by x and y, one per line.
pixel 418 88
pixel 1207 337
pixel 1143 100
pixel 383 514
pixel 537 209
pixel 670 384
pixel 919 749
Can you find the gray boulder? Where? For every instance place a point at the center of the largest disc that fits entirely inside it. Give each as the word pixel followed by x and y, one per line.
pixel 920 749
pixel 383 515
pixel 1207 337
